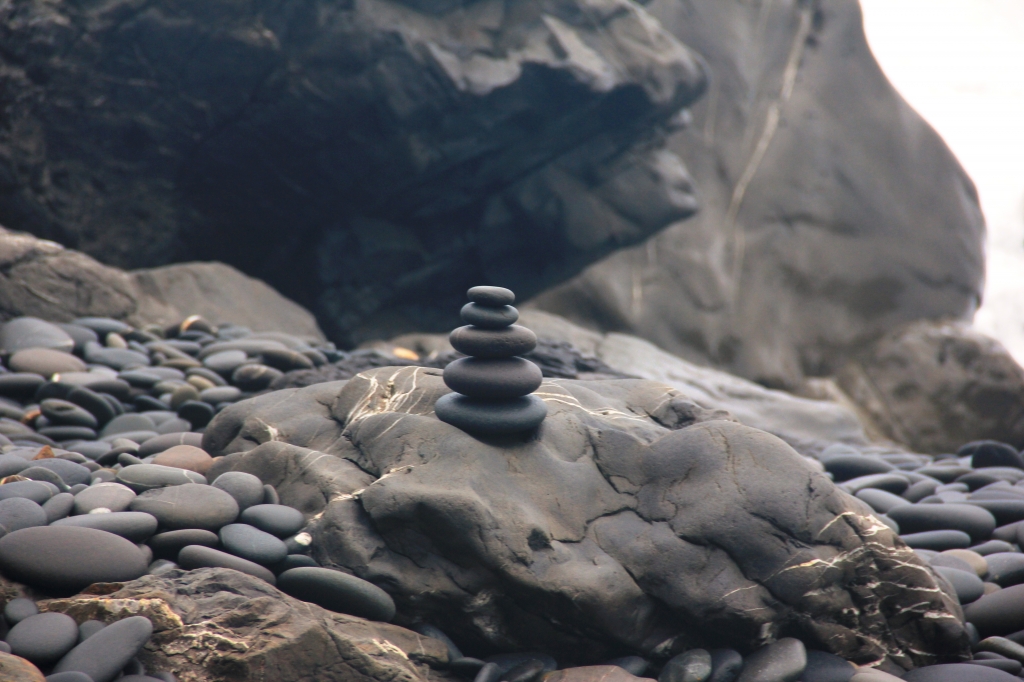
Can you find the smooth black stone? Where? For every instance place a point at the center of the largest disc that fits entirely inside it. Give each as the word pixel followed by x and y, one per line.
pixel 62 433
pixel 65 413
pixel 846 467
pixel 19 609
pixel 506 662
pixel 58 506
pixel 245 488
pixel 196 412
pixel 12 464
pixel 140 378
pixel 30 490
pixel 126 459
pixel 31 332
pixel 920 490
pixel 992 547
pixel 465 667
pixel 916 518
pixel 88 629
pixel 17 513
pixel 435 632
pixel 66 559
pixel 143 477
pixel 958 672
pixel 106 653
pixel 1004 664
pixel 690 666
pixel 70 676
pixel 726 665
pixel 191 505
pixel 294 561
pixel 337 591
pixel 826 667
pixel 103 326
pixel 1005 568
pixel 880 500
pixel 113 496
pixel 92 402
pixel 950 561
pixel 285 360
pixel 44 638
pixel 781 661
pixel 147 403
pixel 209 375
pixel 127 423
pixel 131 525
pixel 168 544
pixel 196 556
pixel 276 519
pixel 937 540
pixel 893 483
pixel 634 665
pixel 1005 511
pixel 490 672
pixel 220 394
pixel 979 479
pixel 176 425
pixel 1000 613
pixel 79 334
pixel 166 441
pixel 270 495
pixel 493 297
pixel 70 472
pixel 501 379
pixel 117 358
pixel 968 586
pixel 255 377
pixel 493 343
pixel 489 317
pixel 20 384
pixel 528 671
pixel 991 453
pixel 482 417
pixel 993 647
pixel 252 544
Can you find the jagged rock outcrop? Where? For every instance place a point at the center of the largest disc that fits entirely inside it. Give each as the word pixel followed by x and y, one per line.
pixel 830 211
pixel 634 521
pixel 371 160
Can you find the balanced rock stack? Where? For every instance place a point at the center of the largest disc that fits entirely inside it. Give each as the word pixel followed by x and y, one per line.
pixel 492 386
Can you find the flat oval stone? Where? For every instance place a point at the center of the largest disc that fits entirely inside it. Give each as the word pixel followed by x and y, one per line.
pixel 252 543
pixel 17 513
pixel 32 490
pixel 277 519
pixel 781 661
pixel 285 360
pixel 92 402
pixel 43 638
pixel 992 453
pixel 169 440
pixel 493 343
pixel 143 477
pixel 45 362
pixel 131 525
pixel 846 467
pixel 1005 568
pixel 103 325
pixel 958 672
pixel 70 472
pixel 726 665
pixel 220 394
pixel 487 317
pixel 66 559
pixel 113 496
pixel 58 506
pixel 168 544
pixel 106 653
pixel 63 412
pixel 194 556
pixel 337 591
pixel 1000 613
pixel 116 358
pixel 31 332
pixel 915 518
pixel 491 296
pixel 176 425
pixel 185 457
pixel 482 417
pixel 62 433
pixel 196 412
pixel 250 346
pixel 968 586
pixel 1005 510
pixel 188 506
pixel 937 540
pixel 690 666
pixel 245 488
pixel 20 384
pixel 880 500
pixel 255 377
pixel 894 483
pixel 126 423
pixel 293 561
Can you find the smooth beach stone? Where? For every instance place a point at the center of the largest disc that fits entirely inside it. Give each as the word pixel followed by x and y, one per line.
pixel 140 378
pixel 958 672
pixel 1000 613
pixel 826 667
pixel 196 412
pixel 1005 510
pixel 466 667
pixel 70 472
pixel 250 346
pixel 300 543
pixel 255 377
pixel 17 669
pixel 220 394
pixel 915 518
pixel 493 343
pixel 31 332
pixel 183 394
pixel 285 360
pixel 69 676
pixel 1004 664
pixel 847 467
pixel 493 379
pixel 476 416
pixel 991 547
pixel 937 540
pixel 176 425
pixel 949 561
pixel 169 440
pixel 105 654
pixel 185 457
pixel 58 506
pixel 30 490
pixel 1005 568
pixel 880 500
pixel 690 666
pixel 920 490
pixel 131 525
pixel 726 665
pixel 169 543
pixel 245 488
pixel 487 317
pixel 17 513
pixel 992 453
pixel 983 477
pixel 196 556
pixel 293 561
pixel 103 326
pixel 43 638
pixel 143 477
pixel 66 559
pixel 20 384
pixel 270 495
pixel 12 464
pixel 113 496
pixel 781 661
pixel 253 544
pixel 63 412
pixel 19 609
pixel 191 505
pixel 125 424
pixel 116 358
pixel 337 591
pixel 527 671
pixel 276 519
pixel 491 296
pixel 45 362
pixel 968 586
pixel 64 433
pixel 489 672
pixel 92 402
pixel 1000 646
pixel 893 482
pixel 208 374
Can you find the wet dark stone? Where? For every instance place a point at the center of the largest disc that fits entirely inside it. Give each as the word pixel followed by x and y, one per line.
pixel 1000 613
pixel 142 477
pixel 107 652
pixel 337 591
pixel 491 296
pixel 19 609
pixel 191 505
pixel 917 518
pixel 937 540
pixel 499 379
pixel 488 317
pixel 781 661
pixel 846 467
pixel 991 453
pixel 527 671
pixel 276 519
pixel 255 377
pixel 252 544
pixel 478 416
pixel 65 413
pixel 1005 568
pixel 169 543
pixel 43 638
pixel 169 440
pixel 17 513
pixel 493 343
pixel 968 586
pixel 196 412
pixel 958 672
pixel 690 666
pixel 131 525
pixel 245 488
pixel 63 433
pixel 196 556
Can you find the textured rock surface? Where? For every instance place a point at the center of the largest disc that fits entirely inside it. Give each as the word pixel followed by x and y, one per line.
pixel 216 624
pixel 354 155
pixel 634 520
pixel 830 211
pixel 934 386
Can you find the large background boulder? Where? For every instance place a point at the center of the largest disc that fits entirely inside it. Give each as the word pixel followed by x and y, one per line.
pixel 830 211
pixel 372 160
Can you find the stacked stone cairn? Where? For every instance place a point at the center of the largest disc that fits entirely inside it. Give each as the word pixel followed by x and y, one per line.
pixel 493 385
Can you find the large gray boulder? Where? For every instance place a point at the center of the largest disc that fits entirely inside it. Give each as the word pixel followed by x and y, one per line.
pixel 633 520
pixel 830 211
pixel 371 160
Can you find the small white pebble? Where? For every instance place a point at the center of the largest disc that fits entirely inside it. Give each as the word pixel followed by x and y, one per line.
pixel 303 539
pixel 99 510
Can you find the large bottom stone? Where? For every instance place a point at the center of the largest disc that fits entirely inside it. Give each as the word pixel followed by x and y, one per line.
pixel 488 417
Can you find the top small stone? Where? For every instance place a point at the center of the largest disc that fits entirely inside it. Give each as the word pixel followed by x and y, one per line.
pixel 491 296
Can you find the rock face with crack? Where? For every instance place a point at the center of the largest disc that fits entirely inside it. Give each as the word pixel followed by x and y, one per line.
pixel 635 521
pixel 371 159
pixel 215 624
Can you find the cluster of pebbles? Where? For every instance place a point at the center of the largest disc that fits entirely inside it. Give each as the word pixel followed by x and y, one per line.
pixel 102 479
